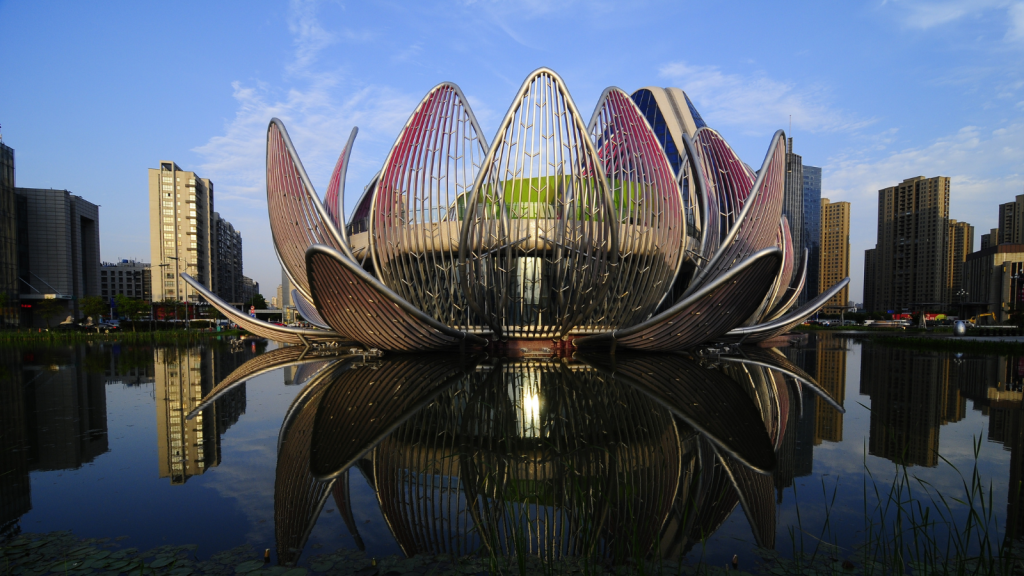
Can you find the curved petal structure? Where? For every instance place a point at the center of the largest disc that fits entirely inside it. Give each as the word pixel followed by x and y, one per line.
pixel 348 296
pixel 334 198
pixel 733 181
pixel 649 208
pixel 357 228
pixel 261 328
pixel 674 120
pixel 539 234
pixel 415 219
pixel 308 311
pixel 704 315
pixel 768 330
pixel 297 218
pixel 755 226
pixel 792 294
pixel 788 260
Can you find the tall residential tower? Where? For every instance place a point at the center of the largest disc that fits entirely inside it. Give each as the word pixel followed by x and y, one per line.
pixel 834 259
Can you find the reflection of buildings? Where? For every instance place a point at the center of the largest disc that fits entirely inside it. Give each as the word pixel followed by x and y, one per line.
pixel 15 495
pixel 912 395
pixel 183 376
pixel 831 376
pixel 805 409
pixel 53 416
pixel 994 384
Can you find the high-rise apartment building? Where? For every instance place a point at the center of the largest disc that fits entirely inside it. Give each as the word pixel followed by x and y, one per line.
pixel 181 230
pixel 1011 223
pixel 834 259
pixel 58 252
pixel 250 288
pixel 911 258
pixel 8 241
pixel 869 280
pixel 228 261
pixel 793 202
pixel 961 243
pixel 812 228
pixel 128 278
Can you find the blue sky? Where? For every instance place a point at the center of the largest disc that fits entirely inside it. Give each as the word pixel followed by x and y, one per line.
pixel 93 94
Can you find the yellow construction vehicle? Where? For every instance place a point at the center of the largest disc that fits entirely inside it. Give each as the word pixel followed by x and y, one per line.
pixel 985 319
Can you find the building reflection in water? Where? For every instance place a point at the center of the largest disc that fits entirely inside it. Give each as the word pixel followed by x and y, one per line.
pixel 53 416
pixel 183 376
pixel 603 456
pixel 994 385
pixel 912 395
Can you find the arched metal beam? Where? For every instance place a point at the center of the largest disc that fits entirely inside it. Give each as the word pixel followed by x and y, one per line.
pixel 768 330
pixel 708 313
pixel 261 328
pixel 351 299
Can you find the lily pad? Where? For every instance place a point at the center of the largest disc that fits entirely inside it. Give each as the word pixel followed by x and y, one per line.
pixel 183 571
pixel 246 567
pixel 295 572
pixel 321 566
pixel 161 562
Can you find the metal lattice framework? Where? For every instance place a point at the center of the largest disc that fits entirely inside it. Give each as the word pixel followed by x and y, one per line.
pixel 649 207
pixel 643 228
pixel 351 299
pixel 539 233
pixel 415 218
pixel 297 218
pixel 594 457
pixel 308 311
pixel 261 328
pixel 783 324
pixel 704 315
pixel 334 197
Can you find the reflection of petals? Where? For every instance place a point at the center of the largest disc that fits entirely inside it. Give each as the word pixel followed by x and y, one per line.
pixel 364 405
pixel 707 400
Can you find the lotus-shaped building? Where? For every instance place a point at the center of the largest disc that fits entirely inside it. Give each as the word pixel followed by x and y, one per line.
pixel 641 229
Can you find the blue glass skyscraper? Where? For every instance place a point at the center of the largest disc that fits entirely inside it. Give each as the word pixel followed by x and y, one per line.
pixel 812 228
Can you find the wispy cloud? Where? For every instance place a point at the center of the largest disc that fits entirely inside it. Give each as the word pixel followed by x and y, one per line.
pixel 986 168
pixel 757 101
pixel 318 107
pixel 924 15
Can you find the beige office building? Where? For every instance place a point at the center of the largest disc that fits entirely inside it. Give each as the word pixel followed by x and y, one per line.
pixel 180 231
pixel 834 250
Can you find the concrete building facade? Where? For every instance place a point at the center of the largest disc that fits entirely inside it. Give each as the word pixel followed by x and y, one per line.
pixel 911 253
pixel 793 203
pixel 228 261
pixel 181 230
pixel 834 259
pixel 8 240
pixel 59 251
pixel 961 243
pixel 127 277
pixel 1011 223
pixel 812 227
pixel 993 278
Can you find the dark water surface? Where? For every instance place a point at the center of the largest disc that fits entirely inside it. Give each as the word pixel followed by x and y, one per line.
pixel 613 454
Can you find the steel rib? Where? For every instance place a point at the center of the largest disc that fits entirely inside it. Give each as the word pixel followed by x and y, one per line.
pixel 768 330
pixel 307 311
pixel 285 334
pixel 706 314
pixel 348 296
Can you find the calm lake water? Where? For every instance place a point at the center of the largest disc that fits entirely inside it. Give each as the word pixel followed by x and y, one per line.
pixel 473 454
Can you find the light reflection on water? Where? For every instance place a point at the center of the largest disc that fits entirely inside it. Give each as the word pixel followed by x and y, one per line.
pixel 96 439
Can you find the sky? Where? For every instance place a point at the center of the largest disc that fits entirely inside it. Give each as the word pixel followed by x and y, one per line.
pixel 92 94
